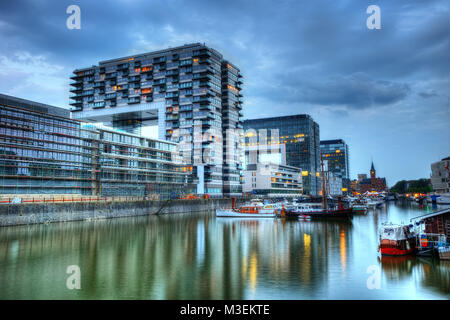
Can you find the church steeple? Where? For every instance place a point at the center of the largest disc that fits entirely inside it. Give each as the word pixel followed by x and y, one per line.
pixel 372 172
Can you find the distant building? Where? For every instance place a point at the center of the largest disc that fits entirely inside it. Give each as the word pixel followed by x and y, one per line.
pixel 333 184
pixel 336 153
pixel 354 186
pixel 300 135
pixel 361 177
pixel 440 175
pixel 373 183
pixel 266 172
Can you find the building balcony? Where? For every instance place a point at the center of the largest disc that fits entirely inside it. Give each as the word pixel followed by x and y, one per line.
pixel 133 100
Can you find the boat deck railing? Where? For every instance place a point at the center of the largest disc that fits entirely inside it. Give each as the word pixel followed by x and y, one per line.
pixel 425 241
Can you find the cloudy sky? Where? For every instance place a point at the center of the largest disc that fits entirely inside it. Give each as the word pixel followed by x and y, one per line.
pixel 385 92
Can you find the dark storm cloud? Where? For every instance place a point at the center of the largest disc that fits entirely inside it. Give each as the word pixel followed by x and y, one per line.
pixel 354 91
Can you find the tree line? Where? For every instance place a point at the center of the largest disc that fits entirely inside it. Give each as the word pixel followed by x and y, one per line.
pixel 412 186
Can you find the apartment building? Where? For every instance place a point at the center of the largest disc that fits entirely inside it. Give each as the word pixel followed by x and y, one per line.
pixel 191 92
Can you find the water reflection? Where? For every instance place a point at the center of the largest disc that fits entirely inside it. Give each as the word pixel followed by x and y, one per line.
pixel 200 257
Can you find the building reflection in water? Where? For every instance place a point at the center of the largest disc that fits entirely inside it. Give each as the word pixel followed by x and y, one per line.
pixel 342 247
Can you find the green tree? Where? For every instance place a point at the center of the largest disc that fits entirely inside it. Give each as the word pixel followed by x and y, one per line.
pixel 399 187
pixel 420 186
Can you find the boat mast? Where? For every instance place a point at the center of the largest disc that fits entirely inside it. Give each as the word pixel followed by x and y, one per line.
pixel 324 192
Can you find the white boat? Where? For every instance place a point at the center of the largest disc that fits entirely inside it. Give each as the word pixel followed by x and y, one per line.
pixel 374 203
pixel 250 211
pixel 443 198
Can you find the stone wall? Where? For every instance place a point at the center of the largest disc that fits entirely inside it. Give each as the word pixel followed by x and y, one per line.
pixel 31 213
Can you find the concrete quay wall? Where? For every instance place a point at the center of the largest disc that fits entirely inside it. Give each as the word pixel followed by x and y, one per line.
pixel 32 213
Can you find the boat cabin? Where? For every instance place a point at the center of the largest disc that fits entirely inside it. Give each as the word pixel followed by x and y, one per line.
pixel 249 209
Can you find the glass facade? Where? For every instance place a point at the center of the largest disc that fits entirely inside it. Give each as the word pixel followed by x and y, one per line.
pixel 335 152
pixel 300 135
pixel 137 166
pixel 42 153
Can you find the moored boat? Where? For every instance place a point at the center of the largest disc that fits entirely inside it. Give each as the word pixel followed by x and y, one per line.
pixel 396 240
pixel 249 211
pixel 313 212
pixel 443 198
pixel 359 208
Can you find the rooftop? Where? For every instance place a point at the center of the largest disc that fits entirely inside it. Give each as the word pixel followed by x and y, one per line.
pixel 11 101
pixel 335 141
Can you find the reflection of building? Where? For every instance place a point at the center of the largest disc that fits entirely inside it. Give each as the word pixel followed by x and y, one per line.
pixel 440 175
pixel 190 92
pixel 373 183
pixel 300 134
pixel 42 151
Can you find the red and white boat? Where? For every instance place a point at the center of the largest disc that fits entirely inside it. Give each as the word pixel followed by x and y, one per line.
pixel 249 211
pixel 396 240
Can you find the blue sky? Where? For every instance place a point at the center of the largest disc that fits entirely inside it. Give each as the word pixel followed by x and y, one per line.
pixel 385 92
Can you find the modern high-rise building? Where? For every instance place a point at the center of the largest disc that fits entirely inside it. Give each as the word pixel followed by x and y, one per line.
pixel 191 92
pixel 335 152
pixel 300 135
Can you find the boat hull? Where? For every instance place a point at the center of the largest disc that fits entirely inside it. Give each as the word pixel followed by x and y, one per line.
pixel 359 210
pixel 444 253
pixel 395 248
pixel 396 252
pixel 234 214
pixel 325 214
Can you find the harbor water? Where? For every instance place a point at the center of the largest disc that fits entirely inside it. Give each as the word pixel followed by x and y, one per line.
pixel 199 256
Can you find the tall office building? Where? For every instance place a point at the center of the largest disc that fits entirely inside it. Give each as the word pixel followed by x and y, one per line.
pixel 300 134
pixel 335 152
pixel 191 92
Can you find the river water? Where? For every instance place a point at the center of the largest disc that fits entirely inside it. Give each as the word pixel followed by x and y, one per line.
pixel 199 256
